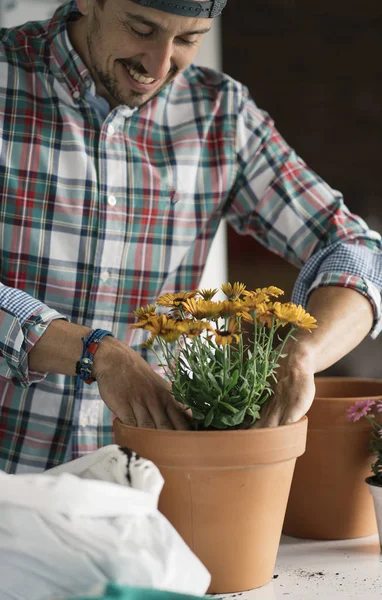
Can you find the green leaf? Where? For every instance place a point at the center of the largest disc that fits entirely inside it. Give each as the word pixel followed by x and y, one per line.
pixel 209 417
pixel 214 382
pixel 233 420
pixel 229 407
pixel 197 414
pixel 233 381
pixel 254 411
pixel 219 356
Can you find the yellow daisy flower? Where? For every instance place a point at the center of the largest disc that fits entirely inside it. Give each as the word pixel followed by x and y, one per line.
pixel 290 313
pixel 233 292
pixel 149 342
pixel 253 299
pixel 271 291
pixel 229 308
pixel 166 327
pixel 207 294
pixel 245 316
pixel 171 333
pixel 228 336
pixel 151 323
pixel 305 320
pixel 195 328
pixel 287 312
pixel 145 312
pixel 175 300
pixel 202 309
pixel 265 315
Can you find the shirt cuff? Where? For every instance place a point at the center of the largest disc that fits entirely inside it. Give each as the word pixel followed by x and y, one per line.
pixel 354 282
pixel 18 339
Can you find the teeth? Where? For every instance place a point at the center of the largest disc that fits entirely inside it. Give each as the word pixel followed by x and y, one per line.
pixel 140 78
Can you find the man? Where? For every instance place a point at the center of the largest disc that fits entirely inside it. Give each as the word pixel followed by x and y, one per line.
pixel 118 160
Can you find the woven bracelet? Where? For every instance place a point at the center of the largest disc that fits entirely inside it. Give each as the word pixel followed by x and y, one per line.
pixel 89 347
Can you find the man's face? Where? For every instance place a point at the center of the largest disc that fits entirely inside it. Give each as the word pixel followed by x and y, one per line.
pixel 134 51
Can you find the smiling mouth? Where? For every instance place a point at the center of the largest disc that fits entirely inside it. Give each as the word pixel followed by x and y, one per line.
pixel 139 77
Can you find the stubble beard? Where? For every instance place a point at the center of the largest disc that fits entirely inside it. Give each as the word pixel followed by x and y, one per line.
pixel 115 96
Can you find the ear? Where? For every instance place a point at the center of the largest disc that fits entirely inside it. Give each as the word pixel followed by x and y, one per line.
pixel 83 6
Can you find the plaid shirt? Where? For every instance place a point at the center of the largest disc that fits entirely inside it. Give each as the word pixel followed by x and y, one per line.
pixel 99 217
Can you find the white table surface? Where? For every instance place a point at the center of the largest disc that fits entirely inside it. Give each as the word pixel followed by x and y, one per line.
pixel 308 569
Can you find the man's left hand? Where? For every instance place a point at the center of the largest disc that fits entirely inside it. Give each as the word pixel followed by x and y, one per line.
pixel 294 391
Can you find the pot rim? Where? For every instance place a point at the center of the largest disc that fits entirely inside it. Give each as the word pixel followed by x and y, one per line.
pixel 220 449
pixel 353 380
pixel 347 378
pixel 350 399
pixel 223 432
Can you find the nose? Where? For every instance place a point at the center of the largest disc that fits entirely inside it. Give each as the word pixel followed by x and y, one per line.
pixel 158 60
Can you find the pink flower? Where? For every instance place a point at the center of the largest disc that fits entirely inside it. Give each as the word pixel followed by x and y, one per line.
pixel 359 409
pixel 379 407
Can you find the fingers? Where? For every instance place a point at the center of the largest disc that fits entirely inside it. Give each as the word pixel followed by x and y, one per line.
pixel 145 411
pixel 272 415
pixel 136 414
pixel 291 417
pixel 139 396
pixel 163 408
pixel 293 413
pixel 128 417
pixel 292 400
pixel 179 417
pixel 161 414
pixel 274 418
pixel 149 409
pixel 142 416
pixel 160 417
pixel 167 412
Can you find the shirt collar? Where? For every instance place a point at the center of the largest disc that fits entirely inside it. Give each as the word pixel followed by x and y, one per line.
pixel 67 66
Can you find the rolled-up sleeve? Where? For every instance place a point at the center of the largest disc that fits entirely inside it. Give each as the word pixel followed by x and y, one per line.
pixel 289 209
pixel 345 265
pixel 23 320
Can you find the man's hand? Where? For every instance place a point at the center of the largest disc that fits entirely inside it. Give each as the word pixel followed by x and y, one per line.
pixel 294 392
pixel 344 318
pixel 133 391
pixel 127 384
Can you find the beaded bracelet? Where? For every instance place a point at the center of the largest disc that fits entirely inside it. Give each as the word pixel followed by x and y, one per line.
pixel 85 364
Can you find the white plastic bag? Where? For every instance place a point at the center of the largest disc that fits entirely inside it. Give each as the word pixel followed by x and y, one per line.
pixel 63 533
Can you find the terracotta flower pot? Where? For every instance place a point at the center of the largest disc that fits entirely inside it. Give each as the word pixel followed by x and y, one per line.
pixel 226 494
pixel 328 498
pixel 375 490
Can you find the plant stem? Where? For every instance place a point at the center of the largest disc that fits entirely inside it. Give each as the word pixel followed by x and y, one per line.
pixel 284 342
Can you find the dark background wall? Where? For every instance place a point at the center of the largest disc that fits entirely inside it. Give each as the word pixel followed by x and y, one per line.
pixel 316 68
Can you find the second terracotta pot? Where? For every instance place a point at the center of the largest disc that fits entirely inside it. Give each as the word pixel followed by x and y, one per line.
pixel 226 494
pixel 328 497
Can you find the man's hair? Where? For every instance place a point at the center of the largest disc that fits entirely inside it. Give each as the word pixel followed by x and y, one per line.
pixel 101 3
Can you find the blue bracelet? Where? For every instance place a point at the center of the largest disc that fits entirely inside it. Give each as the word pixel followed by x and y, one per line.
pixel 89 348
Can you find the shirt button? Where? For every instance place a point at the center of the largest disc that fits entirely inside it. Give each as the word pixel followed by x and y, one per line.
pixel 76 94
pixel 105 275
pixel 112 200
pixel 111 130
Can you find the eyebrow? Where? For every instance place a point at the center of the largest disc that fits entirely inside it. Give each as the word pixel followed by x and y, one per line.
pixel 144 21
